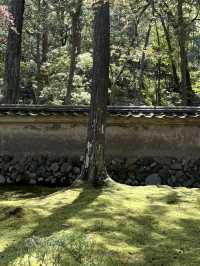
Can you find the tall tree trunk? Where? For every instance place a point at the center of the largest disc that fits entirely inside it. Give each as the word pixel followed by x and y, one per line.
pixel 45 33
pixel 158 65
pixel 13 54
pixel 45 44
pixel 94 169
pixel 142 62
pixel 185 74
pixel 170 50
pixel 75 48
pixel 38 51
pixel 38 63
pixel 158 87
pixel 62 31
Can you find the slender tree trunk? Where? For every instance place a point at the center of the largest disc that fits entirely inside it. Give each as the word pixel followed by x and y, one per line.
pixel 45 33
pixel 44 53
pixel 38 60
pixel 142 62
pixel 44 45
pixel 75 48
pixel 170 50
pixel 158 87
pixel 133 44
pixel 158 65
pixel 185 74
pixel 94 170
pixel 62 31
pixel 13 54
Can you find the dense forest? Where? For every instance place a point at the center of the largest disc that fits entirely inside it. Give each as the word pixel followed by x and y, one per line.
pixel 46 52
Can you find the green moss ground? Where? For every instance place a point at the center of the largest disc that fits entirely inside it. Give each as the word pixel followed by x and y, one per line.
pixel 139 225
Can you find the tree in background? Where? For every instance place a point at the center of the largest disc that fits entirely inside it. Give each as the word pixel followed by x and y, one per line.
pixel 94 169
pixel 151 62
pixel 13 54
pixel 182 29
pixel 75 45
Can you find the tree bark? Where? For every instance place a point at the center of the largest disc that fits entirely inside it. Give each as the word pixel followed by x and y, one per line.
pixel 13 54
pixel 170 50
pixel 94 170
pixel 75 48
pixel 158 65
pixel 185 73
pixel 38 51
pixel 158 85
pixel 142 62
pixel 44 45
pixel 45 33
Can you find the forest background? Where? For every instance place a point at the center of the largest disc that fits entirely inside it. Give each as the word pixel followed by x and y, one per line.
pixel 155 57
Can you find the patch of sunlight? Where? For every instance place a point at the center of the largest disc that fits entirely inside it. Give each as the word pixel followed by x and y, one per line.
pixel 142 225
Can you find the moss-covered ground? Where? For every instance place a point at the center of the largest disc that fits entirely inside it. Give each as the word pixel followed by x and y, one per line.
pixel 136 225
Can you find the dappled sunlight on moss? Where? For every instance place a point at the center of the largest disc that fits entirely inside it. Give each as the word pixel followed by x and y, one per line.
pixel 142 225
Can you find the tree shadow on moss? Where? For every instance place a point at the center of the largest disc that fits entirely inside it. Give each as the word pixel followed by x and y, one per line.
pixel 53 223
pixel 154 245
pixel 25 192
pixel 176 245
pixel 157 245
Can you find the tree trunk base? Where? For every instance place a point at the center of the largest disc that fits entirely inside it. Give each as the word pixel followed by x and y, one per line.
pixel 102 182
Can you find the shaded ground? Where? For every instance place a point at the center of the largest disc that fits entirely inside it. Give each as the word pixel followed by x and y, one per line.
pixel 139 225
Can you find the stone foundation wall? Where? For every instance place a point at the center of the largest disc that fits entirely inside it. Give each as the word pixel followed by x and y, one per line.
pixel 61 171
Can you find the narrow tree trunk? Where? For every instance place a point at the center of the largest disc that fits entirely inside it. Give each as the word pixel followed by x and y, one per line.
pixel 38 62
pixel 142 62
pixel 61 31
pixel 134 44
pixel 158 87
pixel 75 48
pixel 45 34
pixel 45 45
pixel 13 54
pixel 170 50
pixel 185 74
pixel 44 52
pixel 158 65
pixel 94 169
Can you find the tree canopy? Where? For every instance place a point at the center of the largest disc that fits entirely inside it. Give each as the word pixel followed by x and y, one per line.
pixel 154 52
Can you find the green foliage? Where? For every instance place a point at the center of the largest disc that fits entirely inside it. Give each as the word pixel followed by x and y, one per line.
pixel 129 26
pixel 56 72
pixel 82 80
